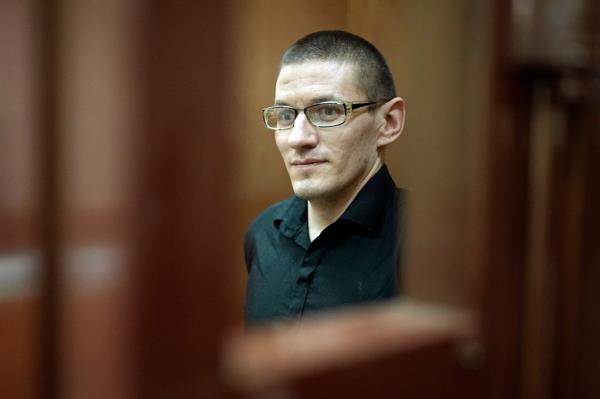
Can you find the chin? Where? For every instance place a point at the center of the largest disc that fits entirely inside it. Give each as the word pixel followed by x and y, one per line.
pixel 308 192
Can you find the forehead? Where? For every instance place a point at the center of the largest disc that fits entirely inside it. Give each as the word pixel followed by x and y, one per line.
pixel 308 82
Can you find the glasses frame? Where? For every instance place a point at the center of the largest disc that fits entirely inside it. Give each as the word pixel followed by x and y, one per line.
pixel 348 108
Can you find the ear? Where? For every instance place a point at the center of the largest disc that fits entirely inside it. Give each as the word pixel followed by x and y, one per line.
pixel 393 122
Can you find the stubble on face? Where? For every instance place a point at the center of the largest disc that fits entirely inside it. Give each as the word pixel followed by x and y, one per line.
pixel 325 164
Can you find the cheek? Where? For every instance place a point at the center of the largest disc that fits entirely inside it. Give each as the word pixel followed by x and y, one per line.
pixel 360 148
pixel 280 142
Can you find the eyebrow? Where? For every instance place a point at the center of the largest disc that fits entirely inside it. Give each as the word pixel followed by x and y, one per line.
pixel 313 100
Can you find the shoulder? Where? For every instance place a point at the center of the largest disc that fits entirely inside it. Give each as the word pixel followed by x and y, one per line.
pixel 263 227
pixel 398 195
pixel 273 212
pixel 270 215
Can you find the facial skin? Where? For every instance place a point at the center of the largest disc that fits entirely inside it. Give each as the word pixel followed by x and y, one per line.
pixel 328 166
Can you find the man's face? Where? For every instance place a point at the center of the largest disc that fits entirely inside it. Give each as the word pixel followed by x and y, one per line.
pixel 325 163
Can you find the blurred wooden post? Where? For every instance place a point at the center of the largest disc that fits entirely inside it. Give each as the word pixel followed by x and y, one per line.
pixel 181 203
pixel 136 163
pixel 542 161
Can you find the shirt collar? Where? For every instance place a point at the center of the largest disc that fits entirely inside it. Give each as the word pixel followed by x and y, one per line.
pixel 369 204
pixel 292 218
pixel 365 209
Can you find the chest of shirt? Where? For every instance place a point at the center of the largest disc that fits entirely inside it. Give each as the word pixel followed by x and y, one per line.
pixel 341 267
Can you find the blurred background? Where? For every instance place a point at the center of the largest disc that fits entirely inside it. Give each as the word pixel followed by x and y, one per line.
pixel 133 157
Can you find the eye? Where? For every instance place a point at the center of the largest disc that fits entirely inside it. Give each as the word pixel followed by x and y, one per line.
pixel 327 113
pixel 286 115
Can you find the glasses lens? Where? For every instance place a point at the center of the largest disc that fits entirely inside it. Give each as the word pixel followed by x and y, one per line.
pixel 326 114
pixel 279 117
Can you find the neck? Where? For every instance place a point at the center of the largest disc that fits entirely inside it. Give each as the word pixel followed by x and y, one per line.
pixel 323 212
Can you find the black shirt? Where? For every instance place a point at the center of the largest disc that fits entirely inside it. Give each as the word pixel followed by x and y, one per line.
pixel 353 260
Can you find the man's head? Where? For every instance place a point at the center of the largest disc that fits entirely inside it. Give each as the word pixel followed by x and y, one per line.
pixel 331 150
pixel 372 74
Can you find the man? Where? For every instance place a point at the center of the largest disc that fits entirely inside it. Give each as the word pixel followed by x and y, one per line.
pixel 335 242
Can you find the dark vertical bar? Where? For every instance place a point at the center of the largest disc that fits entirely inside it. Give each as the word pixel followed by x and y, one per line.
pixel 585 346
pixel 587 384
pixel 47 40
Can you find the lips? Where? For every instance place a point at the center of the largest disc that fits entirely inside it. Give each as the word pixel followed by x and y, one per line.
pixel 308 162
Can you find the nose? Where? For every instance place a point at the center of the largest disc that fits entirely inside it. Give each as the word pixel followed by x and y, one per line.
pixel 303 134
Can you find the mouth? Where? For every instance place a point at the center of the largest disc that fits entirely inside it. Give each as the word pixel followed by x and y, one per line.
pixel 307 163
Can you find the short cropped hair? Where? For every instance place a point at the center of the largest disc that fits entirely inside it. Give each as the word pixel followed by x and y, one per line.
pixel 372 73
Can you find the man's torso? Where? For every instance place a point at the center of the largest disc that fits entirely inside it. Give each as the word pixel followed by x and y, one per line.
pixel 354 260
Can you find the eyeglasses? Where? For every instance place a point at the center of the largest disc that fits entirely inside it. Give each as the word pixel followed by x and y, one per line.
pixel 323 114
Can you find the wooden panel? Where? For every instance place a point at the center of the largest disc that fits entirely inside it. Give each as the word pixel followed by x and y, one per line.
pixel 181 198
pixel 539 167
pixel 389 350
pixel 586 384
pixel 19 369
pixel 87 109
pixel 20 316
pixel 19 124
